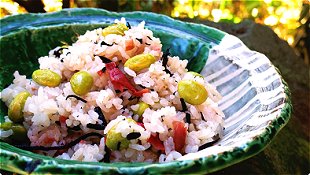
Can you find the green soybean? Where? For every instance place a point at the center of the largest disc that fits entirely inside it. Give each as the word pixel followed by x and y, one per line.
pixel 115 140
pixel 139 62
pixel 192 92
pixel 81 82
pixel 16 107
pixel 46 77
pixel 19 133
pixel 142 107
pixel 6 126
pixel 117 29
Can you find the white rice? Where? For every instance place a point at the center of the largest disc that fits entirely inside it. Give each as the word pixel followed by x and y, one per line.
pixel 49 114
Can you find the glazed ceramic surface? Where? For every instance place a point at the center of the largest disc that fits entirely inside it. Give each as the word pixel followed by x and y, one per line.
pixel 255 100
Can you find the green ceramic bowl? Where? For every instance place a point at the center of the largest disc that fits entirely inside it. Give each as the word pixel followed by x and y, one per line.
pixel 255 98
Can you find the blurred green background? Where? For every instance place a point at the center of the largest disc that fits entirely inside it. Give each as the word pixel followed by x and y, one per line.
pixel 289 19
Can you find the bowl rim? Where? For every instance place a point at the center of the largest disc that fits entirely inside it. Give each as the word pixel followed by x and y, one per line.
pixel 205 164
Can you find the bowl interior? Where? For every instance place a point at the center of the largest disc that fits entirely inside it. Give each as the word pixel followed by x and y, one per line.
pixel 255 99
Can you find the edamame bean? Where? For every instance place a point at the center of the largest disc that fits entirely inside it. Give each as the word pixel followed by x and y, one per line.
pixel 46 77
pixel 81 82
pixel 142 107
pixel 117 29
pixel 115 140
pixel 16 107
pixel 192 92
pixel 19 133
pixel 139 62
pixel 6 126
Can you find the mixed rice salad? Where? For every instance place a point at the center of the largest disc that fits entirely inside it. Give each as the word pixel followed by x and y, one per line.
pixel 112 96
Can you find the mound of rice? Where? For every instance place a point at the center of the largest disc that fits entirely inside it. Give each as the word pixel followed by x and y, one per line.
pixel 52 119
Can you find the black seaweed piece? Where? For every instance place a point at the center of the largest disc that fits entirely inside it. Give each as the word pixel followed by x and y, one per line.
pixel 184 107
pixel 117 91
pixel 95 126
pixel 188 118
pixel 106 157
pixel 168 71
pixel 202 117
pixel 43 148
pixel 165 57
pixel 77 97
pixel 104 69
pixel 58 52
pixel 133 135
pixel 118 146
pixel 141 86
pixel 128 25
pixel 140 40
pixel 75 128
pixel 101 117
pixel 149 37
pixel 105 59
pixel 165 61
pixel 147 44
pixel 206 145
pixel 132 98
pixel 104 43
pixel 32 165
